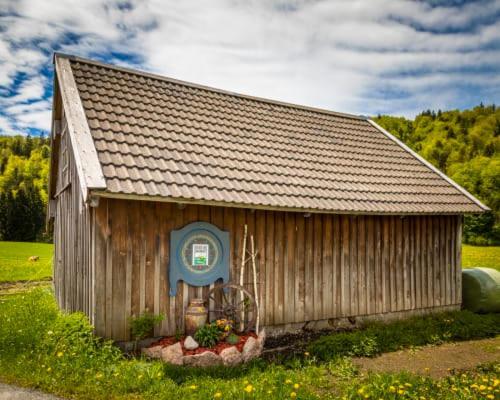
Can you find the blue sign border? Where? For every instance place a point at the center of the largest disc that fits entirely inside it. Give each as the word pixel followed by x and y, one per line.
pixel 177 271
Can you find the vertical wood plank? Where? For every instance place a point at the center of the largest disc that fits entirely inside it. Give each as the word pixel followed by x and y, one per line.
pixel 278 268
pixel 345 267
pixel 309 271
pixel 300 269
pixel 327 272
pixel 458 260
pixel 362 264
pixel 353 267
pixel 289 267
pixel 270 278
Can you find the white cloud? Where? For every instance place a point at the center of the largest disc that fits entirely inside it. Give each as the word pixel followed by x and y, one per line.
pixel 343 55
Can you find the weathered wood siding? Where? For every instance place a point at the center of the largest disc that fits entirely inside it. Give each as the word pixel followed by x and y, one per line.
pixel 310 268
pixel 73 276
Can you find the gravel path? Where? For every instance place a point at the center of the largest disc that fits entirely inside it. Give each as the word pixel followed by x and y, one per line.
pixel 435 361
pixel 9 392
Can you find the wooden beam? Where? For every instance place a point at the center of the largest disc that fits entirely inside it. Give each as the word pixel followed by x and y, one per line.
pixel 87 163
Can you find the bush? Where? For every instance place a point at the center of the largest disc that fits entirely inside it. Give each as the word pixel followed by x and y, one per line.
pixel 208 335
pixel 142 326
pixel 377 338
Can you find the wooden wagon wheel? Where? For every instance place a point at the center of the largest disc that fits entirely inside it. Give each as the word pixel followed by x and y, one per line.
pixel 232 302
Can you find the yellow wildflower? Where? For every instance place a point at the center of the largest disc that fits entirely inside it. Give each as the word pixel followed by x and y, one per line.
pixel 159 374
pixel 392 389
pixel 99 375
pixel 496 382
pixel 248 388
pixel 60 354
pixel 482 387
pixel 217 395
pixel 408 384
pixel 361 390
pixel 288 381
pixel 193 387
pixel 49 369
pixel 293 395
pixel 401 391
pixel 296 386
pixel 490 396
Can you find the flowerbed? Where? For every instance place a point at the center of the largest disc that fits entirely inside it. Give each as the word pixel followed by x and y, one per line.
pixel 170 340
pixel 177 352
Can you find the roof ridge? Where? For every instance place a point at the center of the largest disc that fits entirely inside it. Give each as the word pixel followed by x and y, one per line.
pixel 208 88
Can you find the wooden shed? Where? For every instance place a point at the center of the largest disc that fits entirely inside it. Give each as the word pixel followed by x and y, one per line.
pixel 347 220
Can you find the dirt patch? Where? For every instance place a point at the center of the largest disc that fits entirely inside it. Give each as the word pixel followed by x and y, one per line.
pixel 435 361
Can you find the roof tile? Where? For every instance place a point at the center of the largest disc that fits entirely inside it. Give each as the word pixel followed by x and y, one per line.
pixel 159 137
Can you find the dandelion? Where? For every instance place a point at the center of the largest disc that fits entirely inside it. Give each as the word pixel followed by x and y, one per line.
pixel 248 388
pixel 496 382
pixel 288 381
pixel 49 369
pixel 99 375
pixel 401 391
pixel 217 395
pixel 60 354
pixel 296 386
pixel 293 395
pixel 392 389
pixel 193 387
pixel 482 388
pixel 408 384
pixel 490 396
pixel 361 390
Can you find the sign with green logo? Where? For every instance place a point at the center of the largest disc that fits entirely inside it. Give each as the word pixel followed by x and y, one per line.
pixel 200 254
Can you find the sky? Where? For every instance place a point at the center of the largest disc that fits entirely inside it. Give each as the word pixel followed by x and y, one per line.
pixel 368 57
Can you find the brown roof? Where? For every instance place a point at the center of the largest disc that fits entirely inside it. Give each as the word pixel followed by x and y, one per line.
pixel 160 137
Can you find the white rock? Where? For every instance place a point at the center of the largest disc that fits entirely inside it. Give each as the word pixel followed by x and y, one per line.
pixel 231 356
pixel 205 359
pixel 251 349
pixel 190 343
pixel 152 352
pixel 172 354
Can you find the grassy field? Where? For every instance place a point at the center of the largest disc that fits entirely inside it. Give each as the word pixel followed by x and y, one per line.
pixel 14 264
pixel 57 352
pixel 476 256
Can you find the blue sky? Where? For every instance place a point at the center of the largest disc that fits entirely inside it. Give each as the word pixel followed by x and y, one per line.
pixel 366 57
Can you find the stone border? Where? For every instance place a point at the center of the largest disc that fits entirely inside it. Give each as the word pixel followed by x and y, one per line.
pixel 230 356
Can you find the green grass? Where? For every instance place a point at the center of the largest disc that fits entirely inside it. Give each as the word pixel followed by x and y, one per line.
pixel 479 256
pixel 57 352
pixel 14 264
pixel 378 337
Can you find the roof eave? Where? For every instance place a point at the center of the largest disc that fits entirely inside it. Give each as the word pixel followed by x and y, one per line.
pixel 180 200
pixel 87 162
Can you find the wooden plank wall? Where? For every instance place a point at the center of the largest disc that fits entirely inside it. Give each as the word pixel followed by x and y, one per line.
pixel 310 268
pixel 73 272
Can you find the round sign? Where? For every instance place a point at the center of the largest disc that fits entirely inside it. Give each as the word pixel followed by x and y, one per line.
pixel 200 255
pixel 200 252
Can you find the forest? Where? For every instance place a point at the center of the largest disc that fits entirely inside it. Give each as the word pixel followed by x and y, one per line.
pixel 463 144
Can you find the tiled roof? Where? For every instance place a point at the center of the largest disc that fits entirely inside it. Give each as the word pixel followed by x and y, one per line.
pixel 160 137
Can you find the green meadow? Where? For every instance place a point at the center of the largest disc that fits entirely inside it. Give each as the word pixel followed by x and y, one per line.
pixel 15 264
